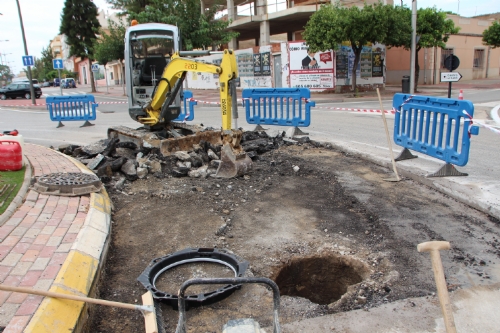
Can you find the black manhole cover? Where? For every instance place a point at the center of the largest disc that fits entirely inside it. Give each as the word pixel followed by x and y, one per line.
pixel 68 184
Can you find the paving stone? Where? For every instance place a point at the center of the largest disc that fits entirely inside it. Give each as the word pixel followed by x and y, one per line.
pixel 32 233
pixel 48 230
pixel 11 259
pixel 65 247
pixel 4 271
pixel 19 231
pixel 54 241
pixel 20 248
pixel 12 280
pixel 29 280
pixel 17 324
pixel 41 239
pixel 29 306
pixel 60 232
pixel 43 284
pixel 16 298
pixel 30 255
pixel 11 240
pixel 47 252
pixel 40 264
pixel 21 268
pixel 50 272
pixel 8 311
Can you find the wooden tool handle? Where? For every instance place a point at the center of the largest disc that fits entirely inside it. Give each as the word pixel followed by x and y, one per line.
pixel 442 290
pixel 70 297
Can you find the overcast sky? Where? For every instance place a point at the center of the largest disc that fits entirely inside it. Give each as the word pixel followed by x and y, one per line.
pixel 42 20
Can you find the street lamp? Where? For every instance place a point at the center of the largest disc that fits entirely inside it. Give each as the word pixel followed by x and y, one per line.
pixel 32 90
pixel 4 56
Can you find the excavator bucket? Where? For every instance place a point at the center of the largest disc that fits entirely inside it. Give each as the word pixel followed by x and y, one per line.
pixel 233 163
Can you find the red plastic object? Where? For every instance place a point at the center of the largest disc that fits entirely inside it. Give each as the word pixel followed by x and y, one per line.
pixel 11 157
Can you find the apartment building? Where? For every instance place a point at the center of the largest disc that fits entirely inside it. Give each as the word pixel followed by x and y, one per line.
pixel 276 26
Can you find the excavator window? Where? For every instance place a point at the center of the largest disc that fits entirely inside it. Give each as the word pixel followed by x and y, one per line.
pixel 150 57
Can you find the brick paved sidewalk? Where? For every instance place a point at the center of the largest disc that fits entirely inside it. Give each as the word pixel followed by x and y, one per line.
pixel 36 240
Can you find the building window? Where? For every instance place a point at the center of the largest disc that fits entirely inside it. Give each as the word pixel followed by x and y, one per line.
pixel 444 54
pixel 478 59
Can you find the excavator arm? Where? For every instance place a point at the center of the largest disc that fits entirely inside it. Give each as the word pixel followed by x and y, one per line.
pixel 160 110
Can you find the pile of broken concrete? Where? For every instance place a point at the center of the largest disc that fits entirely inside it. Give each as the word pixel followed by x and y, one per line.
pixel 117 161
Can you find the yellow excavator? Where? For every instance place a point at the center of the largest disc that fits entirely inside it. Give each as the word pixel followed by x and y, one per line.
pixel 155 70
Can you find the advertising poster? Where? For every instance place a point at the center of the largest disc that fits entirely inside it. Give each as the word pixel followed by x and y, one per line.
pixel 366 63
pixel 311 70
pixel 257 64
pixel 342 65
pixel 245 64
pixel 266 63
pixel 377 70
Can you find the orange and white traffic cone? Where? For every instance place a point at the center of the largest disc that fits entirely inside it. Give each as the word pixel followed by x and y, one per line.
pixel 461 95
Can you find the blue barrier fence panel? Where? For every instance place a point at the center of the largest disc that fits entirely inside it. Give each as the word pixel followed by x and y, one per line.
pixel 73 107
pixel 187 113
pixel 438 127
pixel 278 106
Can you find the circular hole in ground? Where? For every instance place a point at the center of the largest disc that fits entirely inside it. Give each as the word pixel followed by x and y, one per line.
pixel 171 280
pixel 321 279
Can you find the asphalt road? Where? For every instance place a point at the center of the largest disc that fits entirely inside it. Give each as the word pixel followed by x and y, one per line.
pixel 359 131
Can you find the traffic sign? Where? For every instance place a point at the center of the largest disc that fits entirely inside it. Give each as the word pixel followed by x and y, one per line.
pixel 57 63
pixel 451 62
pixel 95 67
pixel 450 77
pixel 28 60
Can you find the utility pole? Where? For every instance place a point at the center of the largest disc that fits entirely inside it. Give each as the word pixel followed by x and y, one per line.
pixel 413 45
pixel 32 90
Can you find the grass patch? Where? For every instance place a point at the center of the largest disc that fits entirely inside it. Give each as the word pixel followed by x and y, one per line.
pixel 10 183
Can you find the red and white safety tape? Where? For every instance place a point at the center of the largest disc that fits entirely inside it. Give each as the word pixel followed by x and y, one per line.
pixel 471 121
pixel 357 110
pixel 43 104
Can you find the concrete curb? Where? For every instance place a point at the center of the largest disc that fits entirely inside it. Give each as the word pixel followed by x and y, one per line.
pixel 21 194
pixel 80 271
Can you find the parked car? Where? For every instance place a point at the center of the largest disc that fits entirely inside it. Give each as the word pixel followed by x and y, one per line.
pixel 15 90
pixel 68 83
pixel 46 84
pixel 56 82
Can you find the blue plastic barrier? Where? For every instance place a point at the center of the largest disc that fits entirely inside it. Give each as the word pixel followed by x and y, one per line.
pixel 186 115
pixel 438 127
pixel 72 108
pixel 280 106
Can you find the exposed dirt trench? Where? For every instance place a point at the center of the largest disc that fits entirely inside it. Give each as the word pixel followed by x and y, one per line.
pixel 333 235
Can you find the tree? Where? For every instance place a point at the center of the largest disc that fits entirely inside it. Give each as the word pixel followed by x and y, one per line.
pixel 5 74
pixel 197 30
pixel 491 36
pixel 79 23
pixel 43 66
pixel 129 6
pixel 212 31
pixel 111 46
pixel 333 24
pixel 434 30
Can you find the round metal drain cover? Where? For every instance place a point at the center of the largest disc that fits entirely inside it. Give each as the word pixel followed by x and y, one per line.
pixel 68 184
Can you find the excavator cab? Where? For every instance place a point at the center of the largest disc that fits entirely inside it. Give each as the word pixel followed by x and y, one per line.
pixel 148 51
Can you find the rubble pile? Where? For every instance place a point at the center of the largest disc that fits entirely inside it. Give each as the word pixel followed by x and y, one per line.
pixel 115 162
